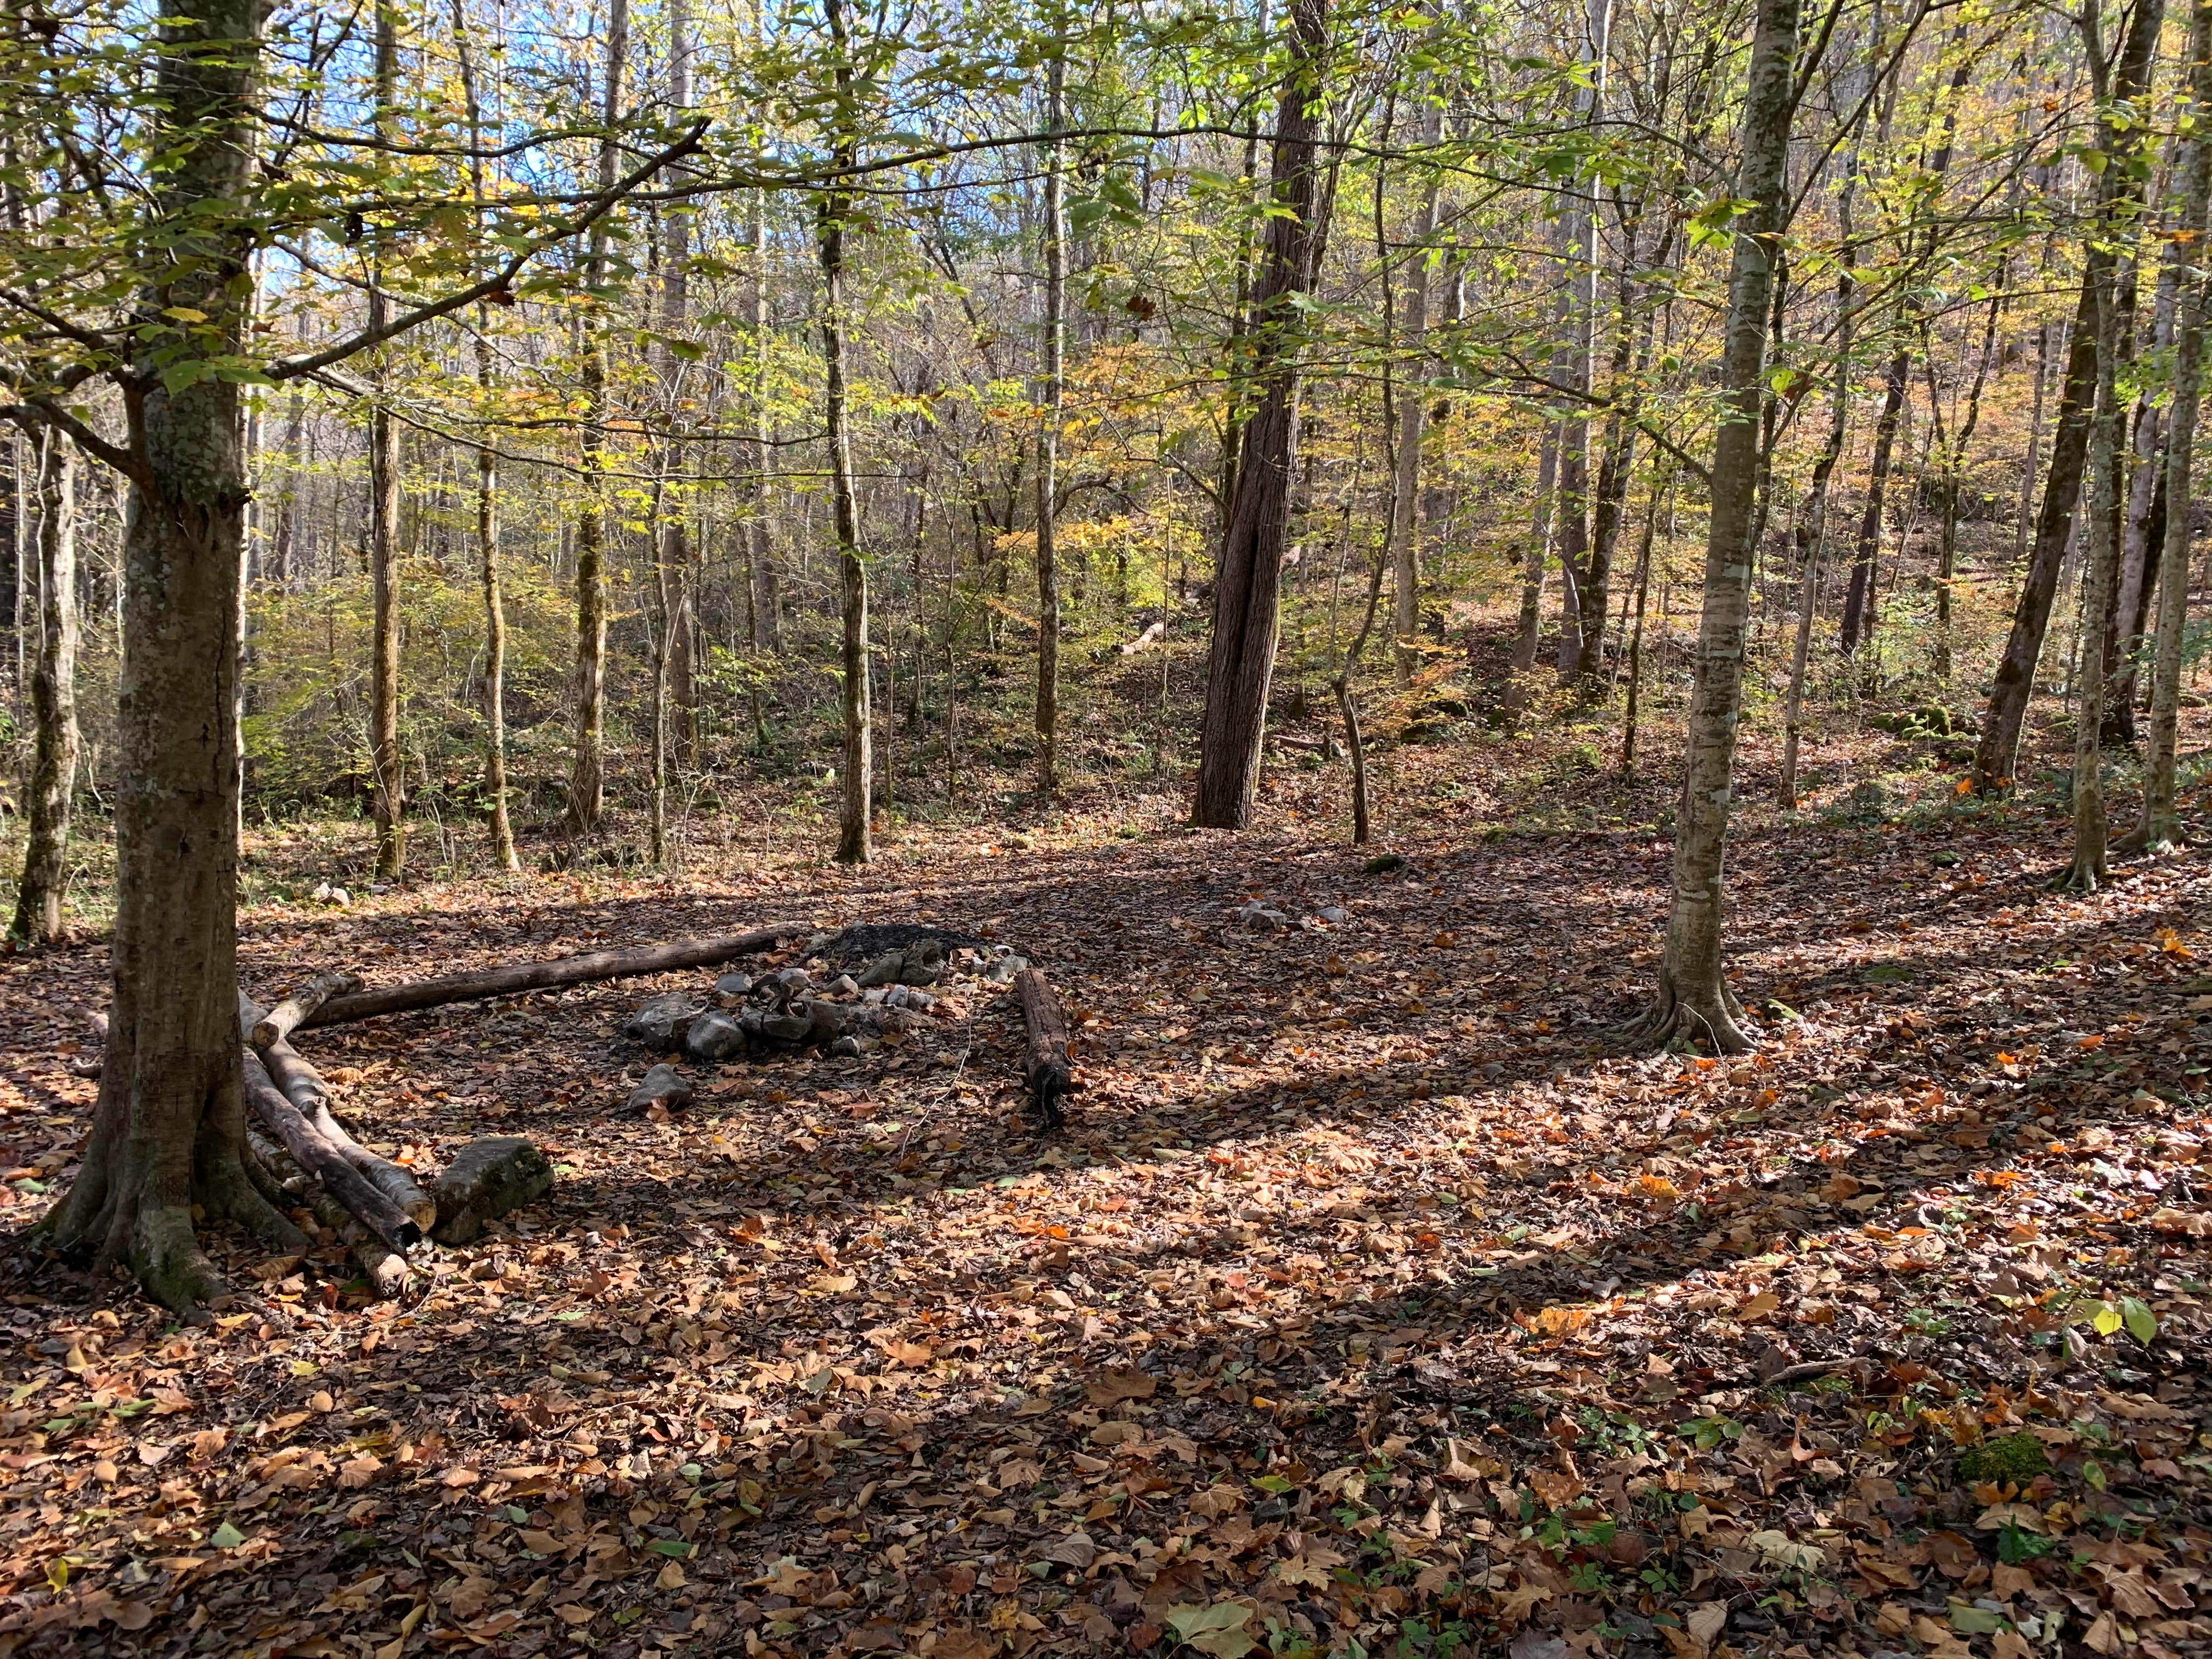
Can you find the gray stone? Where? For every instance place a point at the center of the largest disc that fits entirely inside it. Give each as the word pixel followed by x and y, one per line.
pixel 885 969
pixel 735 986
pixel 1262 918
pixel 1002 971
pixel 924 962
pixel 797 1027
pixel 661 1023
pixel 853 1044
pixel 490 1178
pixel 1333 914
pixel 791 981
pixel 844 985
pixel 715 1037
pixel 664 1084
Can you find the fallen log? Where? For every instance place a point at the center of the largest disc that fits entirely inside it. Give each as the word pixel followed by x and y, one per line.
pixel 520 977
pixel 316 1156
pixel 284 1018
pixel 303 1086
pixel 386 1269
pixel 1045 1066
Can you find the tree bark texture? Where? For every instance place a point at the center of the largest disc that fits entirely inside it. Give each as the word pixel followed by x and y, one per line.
pixel 387 778
pixel 1694 1002
pixel 169 1133
pixel 2160 828
pixel 520 977
pixel 1240 660
pixel 587 777
pixel 53 699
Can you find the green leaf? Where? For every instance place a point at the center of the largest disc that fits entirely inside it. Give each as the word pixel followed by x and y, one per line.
pixel 2141 1322
pixel 675 1547
pixel 1218 1630
pixel 1274 1485
pixel 1975 1621
pixel 183 376
pixel 226 1537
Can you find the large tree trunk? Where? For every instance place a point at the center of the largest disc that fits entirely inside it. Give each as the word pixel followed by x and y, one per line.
pixel 856 804
pixel 1694 1002
pixel 387 779
pixel 2013 684
pixel 1048 478
pixel 169 1134
pixel 1241 661
pixel 2160 828
pixel 588 776
pixel 53 698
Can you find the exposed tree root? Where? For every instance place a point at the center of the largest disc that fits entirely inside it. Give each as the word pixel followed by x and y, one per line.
pixel 1711 1016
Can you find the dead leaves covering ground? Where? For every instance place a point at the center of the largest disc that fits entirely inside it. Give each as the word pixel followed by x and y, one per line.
pixel 1370 1304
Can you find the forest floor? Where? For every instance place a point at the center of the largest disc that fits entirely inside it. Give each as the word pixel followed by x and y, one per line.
pixel 1372 1302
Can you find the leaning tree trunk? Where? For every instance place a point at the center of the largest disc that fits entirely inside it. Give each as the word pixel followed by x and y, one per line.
pixel 2161 829
pixel 1241 661
pixel 53 698
pixel 1694 1002
pixel 169 1134
pixel 1866 557
pixel 1997 754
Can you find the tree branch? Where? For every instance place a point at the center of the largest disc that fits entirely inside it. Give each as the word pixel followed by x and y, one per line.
pixel 286 368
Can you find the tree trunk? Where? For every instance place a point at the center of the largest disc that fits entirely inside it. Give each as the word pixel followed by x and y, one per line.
pixel 1413 413
pixel 1812 525
pixel 1535 562
pixel 494 680
pixel 1051 392
pixel 1694 1002
pixel 2139 552
pixel 856 802
pixel 387 776
pixel 2160 828
pixel 1240 660
pixel 53 699
pixel 587 777
pixel 2100 546
pixel 168 1134
pixel 1866 555
pixel 2013 684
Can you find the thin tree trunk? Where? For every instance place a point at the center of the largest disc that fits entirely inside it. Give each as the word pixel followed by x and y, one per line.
pixel 53 699
pixel 1859 600
pixel 587 777
pixel 2139 556
pixel 1535 562
pixel 859 781
pixel 1241 658
pixel 494 682
pixel 1955 461
pixel 2159 829
pixel 2100 549
pixel 1694 1002
pixel 1644 547
pixel 1052 390
pixel 1413 410
pixel 387 776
